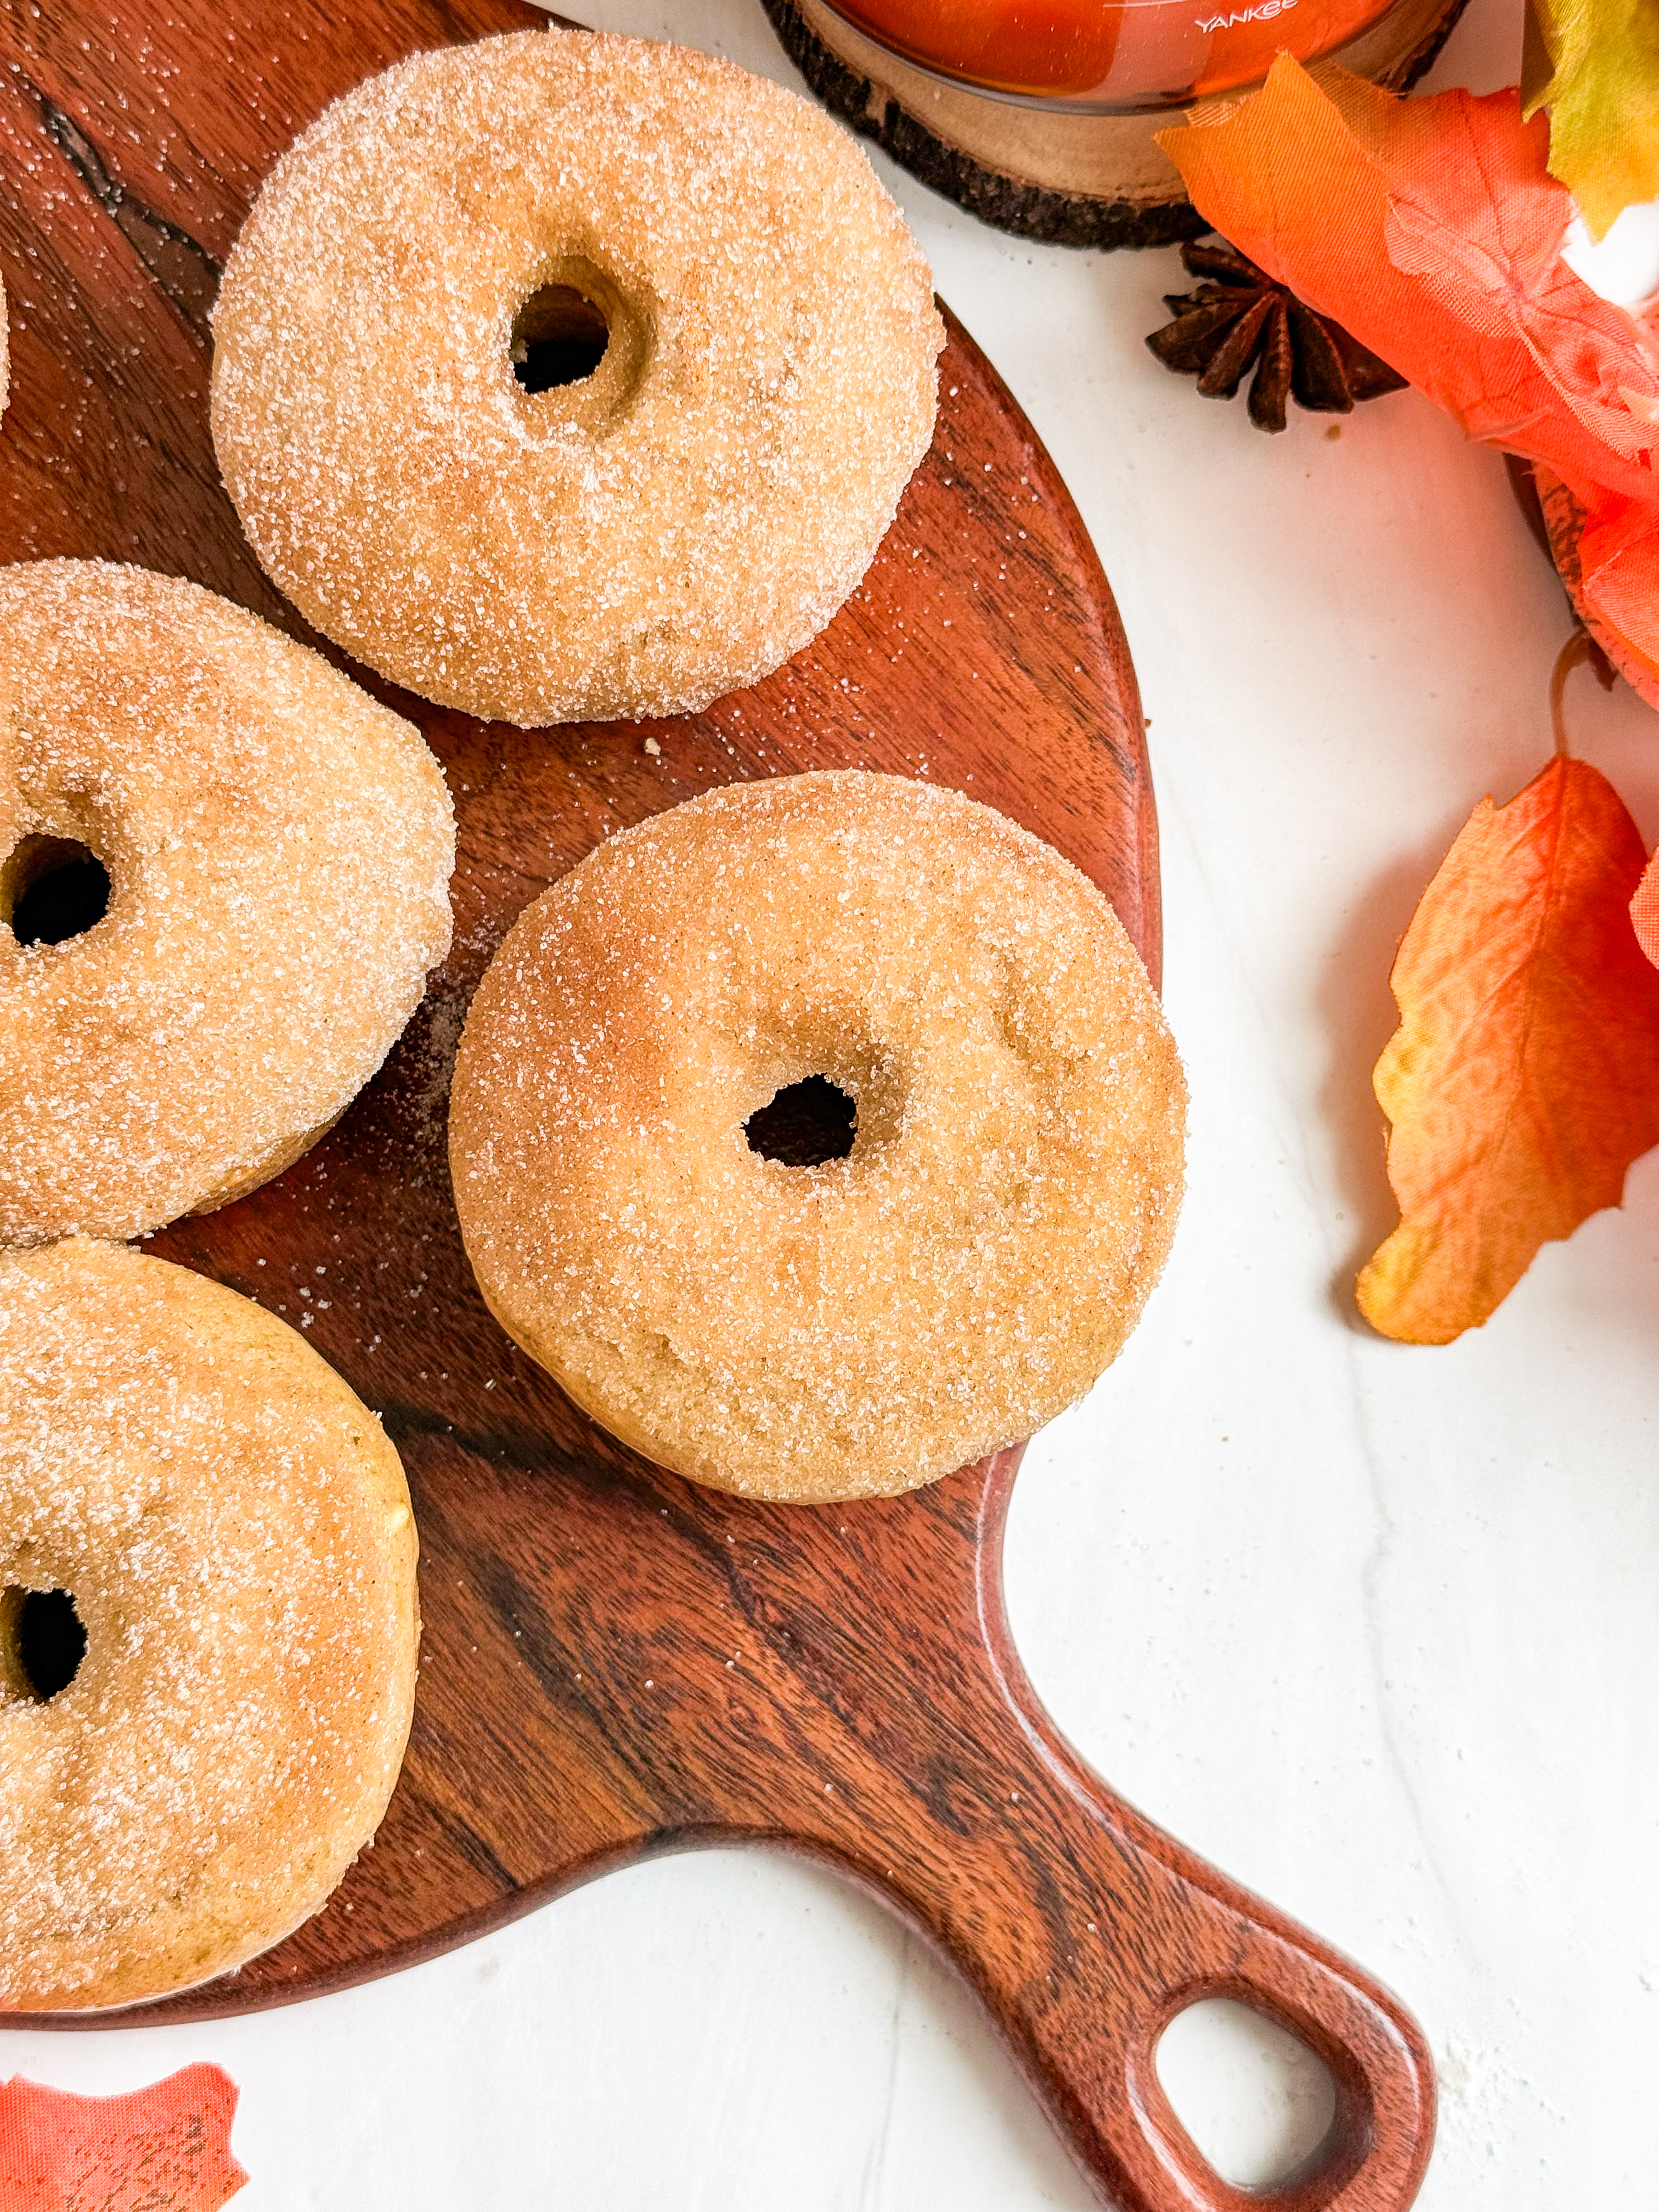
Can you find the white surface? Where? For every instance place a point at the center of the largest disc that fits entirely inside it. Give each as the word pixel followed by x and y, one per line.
pixel 1374 1628
pixel 1624 266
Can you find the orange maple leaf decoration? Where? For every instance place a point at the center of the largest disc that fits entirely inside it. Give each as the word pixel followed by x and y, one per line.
pixel 165 2148
pixel 1524 1076
pixel 1432 229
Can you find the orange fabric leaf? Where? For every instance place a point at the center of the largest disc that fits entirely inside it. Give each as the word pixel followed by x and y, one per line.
pixel 1619 579
pixel 165 2148
pixel 1626 573
pixel 1524 1076
pixel 1433 229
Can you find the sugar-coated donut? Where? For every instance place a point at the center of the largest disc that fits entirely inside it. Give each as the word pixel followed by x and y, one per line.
pixel 277 848
pixel 664 530
pixel 233 1532
pixel 869 1322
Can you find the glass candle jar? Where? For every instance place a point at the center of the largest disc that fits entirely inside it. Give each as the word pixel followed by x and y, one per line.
pixel 1108 56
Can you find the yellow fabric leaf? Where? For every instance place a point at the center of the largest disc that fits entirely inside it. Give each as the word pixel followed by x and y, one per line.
pixel 1602 94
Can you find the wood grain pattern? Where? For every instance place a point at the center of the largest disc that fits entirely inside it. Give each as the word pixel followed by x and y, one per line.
pixel 615 1663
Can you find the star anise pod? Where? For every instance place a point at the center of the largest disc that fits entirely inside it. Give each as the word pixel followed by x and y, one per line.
pixel 1240 316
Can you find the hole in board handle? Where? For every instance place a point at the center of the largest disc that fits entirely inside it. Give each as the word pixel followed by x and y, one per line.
pixel 1259 2105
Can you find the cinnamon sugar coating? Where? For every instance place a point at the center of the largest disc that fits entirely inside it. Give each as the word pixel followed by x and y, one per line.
pixel 278 848
pixel 234 1530
pixel 671 527
pixel 870 1323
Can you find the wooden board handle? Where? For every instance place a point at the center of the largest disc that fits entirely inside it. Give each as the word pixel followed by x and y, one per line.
pixel 1085 1929
pixel 1195 1935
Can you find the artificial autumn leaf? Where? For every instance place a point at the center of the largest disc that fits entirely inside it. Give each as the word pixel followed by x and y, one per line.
pixel 165 2148
pixel 1629 577
pixel 1619 579
pixel 1431 230
pixel 1602 94
pixel 1524 1079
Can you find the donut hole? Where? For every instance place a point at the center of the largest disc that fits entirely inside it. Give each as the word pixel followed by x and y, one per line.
pixel 559 336
pixel 42 1642
pixel 53 889
pixel 806 1124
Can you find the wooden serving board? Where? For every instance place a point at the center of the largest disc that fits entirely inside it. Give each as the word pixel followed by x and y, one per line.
pixel 616 1664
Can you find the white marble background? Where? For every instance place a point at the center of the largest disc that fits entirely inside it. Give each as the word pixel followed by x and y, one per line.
pixel 1372 1627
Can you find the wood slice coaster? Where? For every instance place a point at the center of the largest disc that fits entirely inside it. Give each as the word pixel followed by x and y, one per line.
pixel 615 1662
pixel 1045 172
